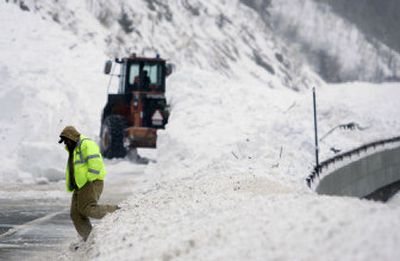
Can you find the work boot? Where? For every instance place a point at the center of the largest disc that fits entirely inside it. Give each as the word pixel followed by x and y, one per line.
pixel 74 246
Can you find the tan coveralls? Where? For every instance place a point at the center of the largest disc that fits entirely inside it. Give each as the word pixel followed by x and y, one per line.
pixel 84 205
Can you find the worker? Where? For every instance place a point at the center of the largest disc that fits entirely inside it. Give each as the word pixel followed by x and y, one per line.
pixel 84 177
pixel 146 79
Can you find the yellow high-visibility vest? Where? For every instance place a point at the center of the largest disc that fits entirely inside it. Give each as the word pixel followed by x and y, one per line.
pixel 88 163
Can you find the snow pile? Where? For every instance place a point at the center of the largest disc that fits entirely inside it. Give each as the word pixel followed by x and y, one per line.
pixel 274 130
pixel 223 189
pixel 215 222
pixel 49 80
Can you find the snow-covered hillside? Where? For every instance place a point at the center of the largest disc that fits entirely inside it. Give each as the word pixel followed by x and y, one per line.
pixel 52 65
pixel 61 48
pixel 227 37
pixel 336 48
pixel 228 178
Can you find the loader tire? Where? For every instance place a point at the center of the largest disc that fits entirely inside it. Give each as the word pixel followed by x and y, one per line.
pixel 112 136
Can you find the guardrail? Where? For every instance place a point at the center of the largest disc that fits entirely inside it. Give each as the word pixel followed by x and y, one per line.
pixel 317 170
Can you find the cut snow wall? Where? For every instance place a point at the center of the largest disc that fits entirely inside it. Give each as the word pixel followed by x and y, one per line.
pixel 364 176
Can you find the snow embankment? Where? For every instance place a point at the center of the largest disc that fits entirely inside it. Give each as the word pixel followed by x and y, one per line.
pixel 229 179
pixel 49 80
pixel 228 217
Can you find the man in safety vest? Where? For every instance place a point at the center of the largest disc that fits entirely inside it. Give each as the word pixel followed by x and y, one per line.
pixel 84 177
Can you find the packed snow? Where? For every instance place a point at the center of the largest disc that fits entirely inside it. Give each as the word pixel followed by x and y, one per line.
pixel 46 79
pixel 227 179
pixel 235 196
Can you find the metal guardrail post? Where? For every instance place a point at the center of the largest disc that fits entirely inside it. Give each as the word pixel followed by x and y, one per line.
pixel 316 132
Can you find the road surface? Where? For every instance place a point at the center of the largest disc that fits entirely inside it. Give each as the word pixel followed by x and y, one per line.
pixel 34 218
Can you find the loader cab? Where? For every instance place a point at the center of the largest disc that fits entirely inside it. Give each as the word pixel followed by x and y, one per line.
pixel 143 75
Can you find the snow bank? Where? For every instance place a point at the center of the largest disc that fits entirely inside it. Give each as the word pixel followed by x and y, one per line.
pixel 230 217
pixel 223 189
pixel 49 80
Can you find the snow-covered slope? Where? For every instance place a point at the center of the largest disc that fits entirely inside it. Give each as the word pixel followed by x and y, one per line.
pixel 51 66
pixel 376 19
pixel 335 47
pixel 228 181
pixel 227 37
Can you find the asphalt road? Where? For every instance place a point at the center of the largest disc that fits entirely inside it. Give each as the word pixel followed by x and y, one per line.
pixel 34 223
pixel 34 218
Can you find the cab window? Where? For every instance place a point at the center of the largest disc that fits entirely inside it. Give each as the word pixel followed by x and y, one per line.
pixel 153 72
pixel 144 76
pixel 134 73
